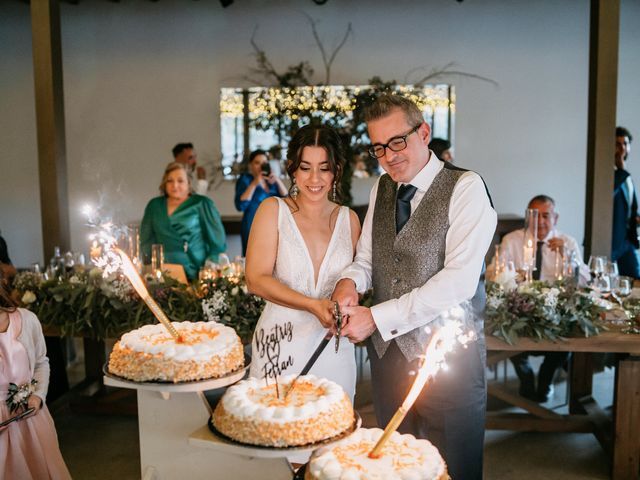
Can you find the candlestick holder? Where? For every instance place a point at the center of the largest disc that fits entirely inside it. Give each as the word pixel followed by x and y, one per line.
pixel 530 243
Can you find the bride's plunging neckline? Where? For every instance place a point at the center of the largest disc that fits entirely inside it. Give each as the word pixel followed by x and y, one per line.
pixel 316 275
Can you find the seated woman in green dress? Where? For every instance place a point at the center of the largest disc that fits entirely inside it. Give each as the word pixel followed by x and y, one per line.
pixel 187 224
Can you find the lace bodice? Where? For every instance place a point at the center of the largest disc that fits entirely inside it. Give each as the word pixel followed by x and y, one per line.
pixel 294 266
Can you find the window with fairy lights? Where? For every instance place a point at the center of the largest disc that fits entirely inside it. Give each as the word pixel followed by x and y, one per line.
pixel 266 117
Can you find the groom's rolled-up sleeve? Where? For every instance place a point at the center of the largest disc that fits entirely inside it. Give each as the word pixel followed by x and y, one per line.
pixel 360 270
pixel 472 222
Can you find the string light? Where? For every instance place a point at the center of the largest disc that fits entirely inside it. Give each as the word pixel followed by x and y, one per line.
pixel 271 102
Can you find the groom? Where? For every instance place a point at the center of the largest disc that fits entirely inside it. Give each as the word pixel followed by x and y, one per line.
pixel 422 247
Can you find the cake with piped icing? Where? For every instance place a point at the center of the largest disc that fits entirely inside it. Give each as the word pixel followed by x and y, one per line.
pixel 403 457
pixel 205 350
pixel 252 412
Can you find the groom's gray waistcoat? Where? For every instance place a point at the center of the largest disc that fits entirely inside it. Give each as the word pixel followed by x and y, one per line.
pixel 407 260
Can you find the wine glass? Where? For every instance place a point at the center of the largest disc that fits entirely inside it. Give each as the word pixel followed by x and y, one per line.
pixel 601 284
pixel 596 266
pixel 611 270
pixel 621 287
pixel 69 262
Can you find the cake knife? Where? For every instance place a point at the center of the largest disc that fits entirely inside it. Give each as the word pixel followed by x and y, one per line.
pixel 338 317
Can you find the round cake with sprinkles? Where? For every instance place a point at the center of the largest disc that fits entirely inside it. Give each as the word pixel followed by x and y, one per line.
pixel 281 415
pixel 205 350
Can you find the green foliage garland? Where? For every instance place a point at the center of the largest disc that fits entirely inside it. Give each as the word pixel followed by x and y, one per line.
pixel 87 304
pixel 541 311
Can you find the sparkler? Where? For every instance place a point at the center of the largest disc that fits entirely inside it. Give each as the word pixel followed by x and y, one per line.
pixel 442 342
pixel 113 259
pixel 129 269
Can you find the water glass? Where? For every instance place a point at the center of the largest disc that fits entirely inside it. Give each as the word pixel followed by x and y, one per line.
pixel 157 259
pixel 558 265
pixel 223 260
pixel 133 242
pixel 79 260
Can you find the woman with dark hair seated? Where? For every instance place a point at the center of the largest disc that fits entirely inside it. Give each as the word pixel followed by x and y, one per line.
pixel 252 188
pixel 298 247
pixel 188 225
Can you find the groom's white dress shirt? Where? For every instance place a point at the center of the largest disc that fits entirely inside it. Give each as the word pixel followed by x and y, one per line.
pixel 472 222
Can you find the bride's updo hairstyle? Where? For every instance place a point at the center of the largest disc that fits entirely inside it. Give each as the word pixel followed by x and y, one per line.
pixel 317 136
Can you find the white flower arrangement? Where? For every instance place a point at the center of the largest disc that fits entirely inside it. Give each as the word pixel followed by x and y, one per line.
pixel 215 306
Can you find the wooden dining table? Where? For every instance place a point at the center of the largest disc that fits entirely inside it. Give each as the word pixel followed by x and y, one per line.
pixel 619 434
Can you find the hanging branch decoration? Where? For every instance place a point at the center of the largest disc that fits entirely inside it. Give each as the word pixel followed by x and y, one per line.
pixel 445 71
pixel 295 75
pixel 328 61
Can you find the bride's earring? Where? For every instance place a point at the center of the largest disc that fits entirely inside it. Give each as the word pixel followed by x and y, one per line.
pixel 334 194
pixel 294 190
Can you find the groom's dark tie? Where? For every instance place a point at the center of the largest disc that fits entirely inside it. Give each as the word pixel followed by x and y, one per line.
pixel 403 205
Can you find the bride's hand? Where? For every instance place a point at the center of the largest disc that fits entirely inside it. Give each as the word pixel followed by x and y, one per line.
pixel 323 308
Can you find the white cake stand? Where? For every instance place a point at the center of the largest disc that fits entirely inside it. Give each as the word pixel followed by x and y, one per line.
pixel 168 414
pixel 206 438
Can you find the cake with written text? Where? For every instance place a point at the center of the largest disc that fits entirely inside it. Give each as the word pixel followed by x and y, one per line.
pixel 314 410
pixel 150 353
pixel 403 457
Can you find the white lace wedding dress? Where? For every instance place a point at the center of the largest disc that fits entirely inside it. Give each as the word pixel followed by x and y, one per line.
pixel 285 338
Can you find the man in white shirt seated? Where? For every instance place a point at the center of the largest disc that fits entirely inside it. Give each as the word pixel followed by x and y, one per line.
pixel 551 243
pixel 185 153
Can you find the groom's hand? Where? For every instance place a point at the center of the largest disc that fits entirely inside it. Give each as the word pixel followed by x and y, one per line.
pixel 345 293
pixel 360 325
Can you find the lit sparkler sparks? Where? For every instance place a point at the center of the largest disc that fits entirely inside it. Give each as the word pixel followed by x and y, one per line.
pixel 111 259
pixel 443 341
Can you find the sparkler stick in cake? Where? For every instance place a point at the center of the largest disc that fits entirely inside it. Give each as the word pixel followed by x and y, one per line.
pixel 129 269
pixel 442 342
pixel 111 259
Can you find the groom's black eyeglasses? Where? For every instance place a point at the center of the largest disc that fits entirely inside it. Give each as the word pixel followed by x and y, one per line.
pixel 396 144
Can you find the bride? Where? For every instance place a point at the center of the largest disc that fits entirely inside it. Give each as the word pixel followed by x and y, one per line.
pixel 297 249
